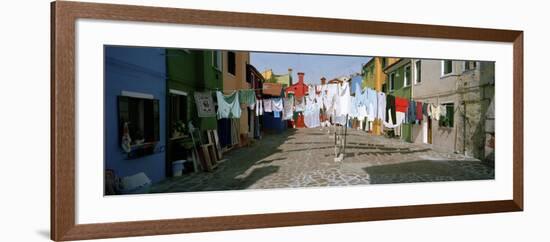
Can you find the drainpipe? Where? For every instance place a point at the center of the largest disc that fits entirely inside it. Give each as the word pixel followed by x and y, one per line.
pixel 464 129
pixel 412 94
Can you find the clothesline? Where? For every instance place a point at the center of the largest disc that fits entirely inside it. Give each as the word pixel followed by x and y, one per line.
pixel 223 90
pixel 333 103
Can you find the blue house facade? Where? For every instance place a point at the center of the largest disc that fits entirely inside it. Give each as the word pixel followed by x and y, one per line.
pixel 139 75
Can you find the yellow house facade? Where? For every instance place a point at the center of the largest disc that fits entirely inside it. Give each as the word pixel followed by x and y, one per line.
pixel 375 78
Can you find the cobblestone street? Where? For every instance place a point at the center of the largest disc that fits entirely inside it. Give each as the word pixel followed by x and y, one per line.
pixel 305 158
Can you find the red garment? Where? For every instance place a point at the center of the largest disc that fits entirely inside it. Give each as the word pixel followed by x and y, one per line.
pixel 419 114
pixel 401 104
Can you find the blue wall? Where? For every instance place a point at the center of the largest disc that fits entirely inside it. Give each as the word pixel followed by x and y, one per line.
pixel 140 70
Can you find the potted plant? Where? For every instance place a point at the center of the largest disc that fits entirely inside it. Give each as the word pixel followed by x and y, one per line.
pixel 178 129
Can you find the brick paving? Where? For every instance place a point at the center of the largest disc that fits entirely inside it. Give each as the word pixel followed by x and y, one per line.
pixel 305 158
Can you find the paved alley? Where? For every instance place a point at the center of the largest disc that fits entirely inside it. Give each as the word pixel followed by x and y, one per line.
pixel 305 158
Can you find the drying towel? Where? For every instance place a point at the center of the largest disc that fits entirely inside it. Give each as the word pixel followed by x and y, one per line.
pixel 381 105
pixel 288 105
pixel 228 106
pixel 299 104
pixel 247 97
pixel 267 106
pixel 419 111
pixel 259 107
pixel 401 104
pixel 277 104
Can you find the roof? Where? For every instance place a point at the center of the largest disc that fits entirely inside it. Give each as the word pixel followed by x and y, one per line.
pixel 396 64
pixel 256 72
pixel 370 61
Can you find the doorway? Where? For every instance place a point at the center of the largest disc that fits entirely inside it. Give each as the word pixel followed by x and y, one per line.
pixel 177 120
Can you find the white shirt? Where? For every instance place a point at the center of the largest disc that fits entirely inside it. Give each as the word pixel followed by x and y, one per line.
pixel 381 106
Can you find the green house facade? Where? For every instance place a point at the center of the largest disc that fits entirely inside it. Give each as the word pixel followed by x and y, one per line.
pixel 399 84
pixel 194 70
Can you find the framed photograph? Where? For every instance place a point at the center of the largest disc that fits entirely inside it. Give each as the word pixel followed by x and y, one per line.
pixel 172 120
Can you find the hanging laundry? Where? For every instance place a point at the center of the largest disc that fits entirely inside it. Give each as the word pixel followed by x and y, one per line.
pixel 288 105
pixel 401 104
pixel 411 114
pixel 436 111
pixel 353 112
pixel 247 97
pixel 361 95
pixel 419 111
pixel 235 127
pixel 259 107
pixel 311 115
pixel 277 104
pixel 443 110
pixel 228 106
pixel 372 104
pixel 276 114
pixel 267 106
pixel 381 107
pixel 330 98
pixel 361 112
pixel 205 104
pixel 299 104
pixel 390 109
pixel 343 100
pixel 425 109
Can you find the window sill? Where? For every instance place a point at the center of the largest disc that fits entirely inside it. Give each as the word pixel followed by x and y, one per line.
pixel 449 75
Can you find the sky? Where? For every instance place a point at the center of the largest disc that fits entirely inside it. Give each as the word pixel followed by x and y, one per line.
pixel 314 66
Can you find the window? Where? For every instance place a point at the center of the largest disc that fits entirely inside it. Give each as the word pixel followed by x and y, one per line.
pixel 392 81
pixel 447 67
pixel 231 62
pixel 139 119
pixel 417 72
pixel 447 120
pixel 407 76
pixel 470 65
pixel 217 59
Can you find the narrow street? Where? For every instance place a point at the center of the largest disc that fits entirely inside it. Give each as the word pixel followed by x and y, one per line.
pixel 305 158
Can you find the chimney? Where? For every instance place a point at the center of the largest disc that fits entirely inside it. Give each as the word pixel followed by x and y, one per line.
pixel 300 77
pixel 290 76
pixel 323 80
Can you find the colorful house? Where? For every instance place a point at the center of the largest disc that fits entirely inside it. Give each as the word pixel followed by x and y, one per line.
pixel 375 78
pixel 135 111
pixel 283 79
pixel 298 89
pixel 399 84
pixel 234 79
pixel 373 72
pixel 465 89
pixel 188 71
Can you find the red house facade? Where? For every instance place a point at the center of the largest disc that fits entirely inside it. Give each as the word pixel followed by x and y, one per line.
pixel 299 89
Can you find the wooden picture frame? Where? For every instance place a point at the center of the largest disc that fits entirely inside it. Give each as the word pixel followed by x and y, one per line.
pixel 63 18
